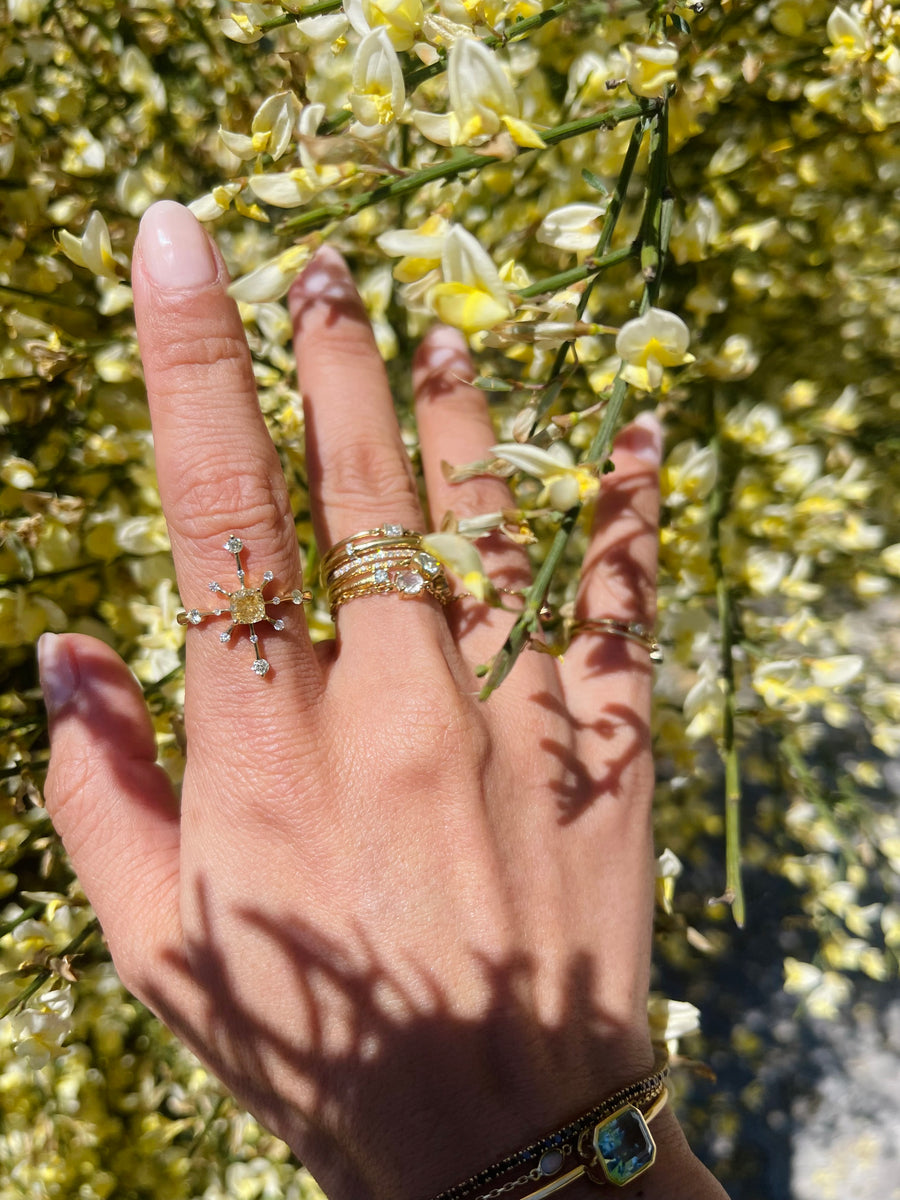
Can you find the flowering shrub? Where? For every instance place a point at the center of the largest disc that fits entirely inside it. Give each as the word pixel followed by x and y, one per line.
pixel 624 206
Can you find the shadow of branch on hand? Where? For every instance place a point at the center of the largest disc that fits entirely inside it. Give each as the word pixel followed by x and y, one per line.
pixel 375 1075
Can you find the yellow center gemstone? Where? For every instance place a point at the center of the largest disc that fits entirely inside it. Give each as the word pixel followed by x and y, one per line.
pixel 248 606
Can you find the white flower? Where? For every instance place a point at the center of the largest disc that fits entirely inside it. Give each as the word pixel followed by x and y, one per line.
pixel 482 101
pixel 377 94
pixel 764 569
pixel 689 473
pixel 271 280
pixel 650 68
pixel 572 227
pixel 324 29
pixel 419 249
pixel 270 130
pixel 93 249
pixel 650 342
pixel 84 155
pixel 283 189
pixel 214 203
pixel 565 482
pixel 837 671
pixel 846 33
pixel 244 26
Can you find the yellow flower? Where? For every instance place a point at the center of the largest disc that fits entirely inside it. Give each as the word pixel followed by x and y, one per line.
pixel 471 296
pixel 400 19
pixel 458 555
pixel 482 101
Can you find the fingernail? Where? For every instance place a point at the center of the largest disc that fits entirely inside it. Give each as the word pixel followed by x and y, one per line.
pixel 175 248
pixel 59 678
pixel 444 349
pixel 649 448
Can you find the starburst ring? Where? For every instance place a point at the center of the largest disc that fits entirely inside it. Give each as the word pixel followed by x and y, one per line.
pixel 246 606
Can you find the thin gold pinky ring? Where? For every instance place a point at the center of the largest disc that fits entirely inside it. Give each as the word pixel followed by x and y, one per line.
pixel 378 562
pixel 633 631
pixel 246 606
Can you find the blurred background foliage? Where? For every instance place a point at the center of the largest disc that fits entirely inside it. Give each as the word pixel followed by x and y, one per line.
pixel 780 547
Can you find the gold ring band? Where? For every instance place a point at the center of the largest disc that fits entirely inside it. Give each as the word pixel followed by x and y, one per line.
pixel 633 631
pixel 378 562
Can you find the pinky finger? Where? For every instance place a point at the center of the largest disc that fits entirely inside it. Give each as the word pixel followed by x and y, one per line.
pixel 109 801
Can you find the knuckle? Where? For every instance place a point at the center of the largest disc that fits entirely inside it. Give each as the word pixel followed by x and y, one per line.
pixel 206 504
pixel 363 471
pixel 435 733
pixel 188 361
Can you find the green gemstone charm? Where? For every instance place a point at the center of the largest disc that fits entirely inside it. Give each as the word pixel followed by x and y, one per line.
pixel 623 1145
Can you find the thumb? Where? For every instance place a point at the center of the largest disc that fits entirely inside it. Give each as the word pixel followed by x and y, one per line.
pixel 109 801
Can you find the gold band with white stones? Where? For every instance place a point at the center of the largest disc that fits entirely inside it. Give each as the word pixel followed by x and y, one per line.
pixel 380 562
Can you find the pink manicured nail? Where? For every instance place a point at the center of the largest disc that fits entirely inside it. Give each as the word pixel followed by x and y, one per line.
pixel 649 448
pixel 59 679
pixel 175 248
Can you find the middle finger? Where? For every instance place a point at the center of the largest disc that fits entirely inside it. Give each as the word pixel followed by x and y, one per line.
pixel 360 476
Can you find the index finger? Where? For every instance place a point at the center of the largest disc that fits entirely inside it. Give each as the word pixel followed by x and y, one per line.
pixel 219 475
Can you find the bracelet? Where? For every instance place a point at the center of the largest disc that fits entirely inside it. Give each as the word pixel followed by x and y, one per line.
pixel 611 1143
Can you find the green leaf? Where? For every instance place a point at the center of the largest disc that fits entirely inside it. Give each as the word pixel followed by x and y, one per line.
pixel 593 181
pixel 488 383
pixel 678 23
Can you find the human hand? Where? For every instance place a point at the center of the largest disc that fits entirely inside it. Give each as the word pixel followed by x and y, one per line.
pixel 410 931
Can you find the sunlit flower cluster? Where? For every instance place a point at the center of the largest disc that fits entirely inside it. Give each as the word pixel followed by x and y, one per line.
pixel 730 265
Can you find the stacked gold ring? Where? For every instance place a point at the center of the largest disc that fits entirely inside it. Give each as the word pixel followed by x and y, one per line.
pixel 381 561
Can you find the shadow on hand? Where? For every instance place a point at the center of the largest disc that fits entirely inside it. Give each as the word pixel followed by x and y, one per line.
pixel 376 1079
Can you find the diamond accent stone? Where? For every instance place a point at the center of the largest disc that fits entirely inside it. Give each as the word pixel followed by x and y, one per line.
pixel 278 624
pixel 260 666
pixel 268 577
pixel 392 530
pixel 297 596
pixel 275 600
pixel 381 575
pixel 226 636
pixel 214 587
pixel 410 583
pixel 254 638
pixel 429 564
pixel 247 606
pixel 195 616
pixel 220 611
pixel 234 545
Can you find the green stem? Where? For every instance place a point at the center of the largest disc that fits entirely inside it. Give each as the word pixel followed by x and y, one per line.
pixel 459 162
pixel 610 221
pixel 308 10
pixel 591 266
pixel 45 973
pixel 601 445
pixel 728 748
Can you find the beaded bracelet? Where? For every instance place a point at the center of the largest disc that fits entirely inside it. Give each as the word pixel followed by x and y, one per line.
pixel 611 1143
